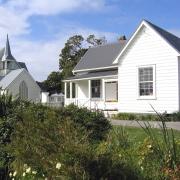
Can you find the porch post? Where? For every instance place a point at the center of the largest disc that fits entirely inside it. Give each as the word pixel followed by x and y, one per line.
pixel 103 91
pixel 70 90
pixel 65 89
pixel 89 92
pixel 89 88
pixel 65 93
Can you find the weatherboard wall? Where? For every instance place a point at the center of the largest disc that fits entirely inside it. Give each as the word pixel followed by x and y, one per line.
pixel 33 89
pixel 148 48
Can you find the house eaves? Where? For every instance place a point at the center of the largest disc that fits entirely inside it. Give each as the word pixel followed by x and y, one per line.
pixel 94 75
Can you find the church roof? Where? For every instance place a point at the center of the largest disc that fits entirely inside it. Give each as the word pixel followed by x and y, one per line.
pixel 7 51
pixel 9 78
pixel 23 65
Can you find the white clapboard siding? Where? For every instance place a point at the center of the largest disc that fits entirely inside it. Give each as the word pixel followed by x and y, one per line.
pixel 33 89
pixel 148 48
pixel 82 89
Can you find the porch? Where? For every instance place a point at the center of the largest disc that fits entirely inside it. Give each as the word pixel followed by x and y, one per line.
pixel 93 93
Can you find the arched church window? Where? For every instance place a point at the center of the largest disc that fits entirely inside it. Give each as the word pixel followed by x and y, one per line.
pixel 23 90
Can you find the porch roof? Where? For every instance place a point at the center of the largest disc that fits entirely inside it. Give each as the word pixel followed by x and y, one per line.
pixel 94 75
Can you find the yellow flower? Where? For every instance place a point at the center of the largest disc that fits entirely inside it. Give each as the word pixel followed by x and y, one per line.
pixel 34 172
pixel 24 174
pixel 10 174
pixel 149 146
pixel 58 165
pixel 28 170
pixel 14 174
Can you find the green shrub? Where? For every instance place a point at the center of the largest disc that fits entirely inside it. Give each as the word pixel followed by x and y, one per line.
pixel 165 153
pixel 147 117
pixel 126 116
pixel 176 116
pixel 95 123
pixel 56 148
pixel 9 110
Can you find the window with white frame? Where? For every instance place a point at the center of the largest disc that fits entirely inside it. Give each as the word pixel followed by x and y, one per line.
pixel 95 88
pixel 23 90
pixel 146 81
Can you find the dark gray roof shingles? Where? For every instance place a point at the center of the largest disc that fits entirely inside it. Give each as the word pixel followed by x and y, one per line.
pixel 100 56
pixel 23 65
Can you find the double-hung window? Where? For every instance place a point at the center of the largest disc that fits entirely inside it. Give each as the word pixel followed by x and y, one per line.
pixel 146 81
pixel 95 88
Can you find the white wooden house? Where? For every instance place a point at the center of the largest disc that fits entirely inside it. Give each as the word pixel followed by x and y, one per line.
pixel 130 76
pixel 15 77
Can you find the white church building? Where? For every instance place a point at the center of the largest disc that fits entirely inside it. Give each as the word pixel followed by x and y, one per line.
pixel 15 78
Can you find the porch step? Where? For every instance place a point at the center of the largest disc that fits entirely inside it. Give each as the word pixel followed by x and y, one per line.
pixel 109 110
pixel 105 109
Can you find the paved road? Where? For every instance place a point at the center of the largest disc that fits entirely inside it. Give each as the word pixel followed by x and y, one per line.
pixel 173 125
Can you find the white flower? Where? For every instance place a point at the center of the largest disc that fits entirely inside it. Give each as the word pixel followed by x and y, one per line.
pixel 24 174
pixel 34 172
pixel 14 174
pixel 10 174
pixel 58 165
pixel 28 170
pixel 26 166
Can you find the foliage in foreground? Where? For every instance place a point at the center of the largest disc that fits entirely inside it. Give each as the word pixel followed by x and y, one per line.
pixel 9 111
pixel 66 143
pixel 56 149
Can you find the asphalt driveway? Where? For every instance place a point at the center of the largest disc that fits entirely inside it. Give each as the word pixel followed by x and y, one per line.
pixel 154 124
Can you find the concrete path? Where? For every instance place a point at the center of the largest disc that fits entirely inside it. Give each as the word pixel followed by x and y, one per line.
pixel 173 125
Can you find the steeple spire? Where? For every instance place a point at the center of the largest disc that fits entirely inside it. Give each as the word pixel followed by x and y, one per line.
pixel 7 51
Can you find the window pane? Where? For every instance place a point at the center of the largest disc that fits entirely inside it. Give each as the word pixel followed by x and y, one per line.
pixel 95 88
pixel 146 81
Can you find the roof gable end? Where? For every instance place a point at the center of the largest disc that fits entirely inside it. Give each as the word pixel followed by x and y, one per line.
pixel 172 40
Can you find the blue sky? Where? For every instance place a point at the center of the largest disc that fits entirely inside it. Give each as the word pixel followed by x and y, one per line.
pixel 38 29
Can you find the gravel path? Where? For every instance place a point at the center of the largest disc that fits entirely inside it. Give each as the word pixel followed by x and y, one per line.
pixel 173 125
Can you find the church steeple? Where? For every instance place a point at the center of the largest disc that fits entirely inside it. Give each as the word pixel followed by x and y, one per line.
pixel 7 51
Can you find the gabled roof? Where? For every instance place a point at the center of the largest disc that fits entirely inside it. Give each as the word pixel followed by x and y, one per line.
pixel 4 83
pixel 7 51
pixel 171 39
pixel 97 74
pixel 98 57
pixel 2 53
pixel 43 88
pixel 23 65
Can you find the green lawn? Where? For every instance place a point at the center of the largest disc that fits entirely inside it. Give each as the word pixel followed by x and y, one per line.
pixel 138 134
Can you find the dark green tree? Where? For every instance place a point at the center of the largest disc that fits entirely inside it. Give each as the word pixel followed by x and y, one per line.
pixel 70 55
pixel 54 82
pixel 92 40
pixel 74 50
